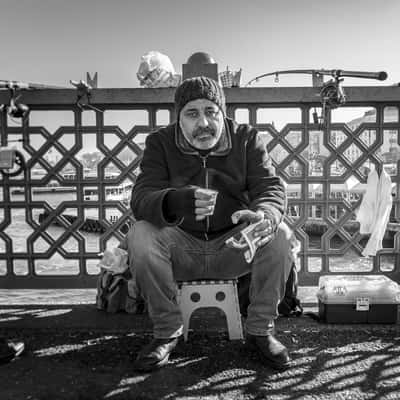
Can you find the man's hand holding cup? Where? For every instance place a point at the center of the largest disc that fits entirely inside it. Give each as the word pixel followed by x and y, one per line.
pixel 204 202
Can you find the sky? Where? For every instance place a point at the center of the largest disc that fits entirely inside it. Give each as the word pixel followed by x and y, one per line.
pixel 53 41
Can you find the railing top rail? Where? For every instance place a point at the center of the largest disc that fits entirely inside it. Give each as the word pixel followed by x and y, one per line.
pixel 253 95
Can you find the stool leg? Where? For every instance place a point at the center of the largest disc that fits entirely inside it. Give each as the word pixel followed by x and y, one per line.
pixel 233 317
pixel 186 322
pixel 234 322
pixel 186 311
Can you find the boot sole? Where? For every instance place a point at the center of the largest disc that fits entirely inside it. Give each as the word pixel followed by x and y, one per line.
pixel 148 368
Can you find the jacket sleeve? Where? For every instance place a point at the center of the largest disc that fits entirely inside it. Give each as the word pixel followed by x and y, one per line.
pixel 152 184
pixel 266 190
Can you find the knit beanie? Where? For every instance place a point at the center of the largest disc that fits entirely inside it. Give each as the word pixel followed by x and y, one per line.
pixel 199 87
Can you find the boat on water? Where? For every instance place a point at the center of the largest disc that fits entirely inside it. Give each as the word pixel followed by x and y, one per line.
pixel 92 225
pixel 50 188
pixel 121 192
pixel 54 188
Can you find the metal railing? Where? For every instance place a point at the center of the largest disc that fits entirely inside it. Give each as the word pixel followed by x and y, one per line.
pixel 70 203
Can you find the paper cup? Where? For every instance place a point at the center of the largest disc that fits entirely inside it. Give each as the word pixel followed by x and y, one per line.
pixel 211 195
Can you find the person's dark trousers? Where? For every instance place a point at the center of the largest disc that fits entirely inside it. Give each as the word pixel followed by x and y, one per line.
pixel 161 257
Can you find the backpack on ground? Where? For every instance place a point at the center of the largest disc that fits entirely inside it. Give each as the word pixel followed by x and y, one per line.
pixel 117 292
pixel 290 305
pixel 116 287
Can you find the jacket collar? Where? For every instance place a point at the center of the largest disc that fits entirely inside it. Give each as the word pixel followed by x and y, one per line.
pixel 222 148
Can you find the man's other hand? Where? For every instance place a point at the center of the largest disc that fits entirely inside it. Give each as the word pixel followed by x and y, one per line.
pixel 262 229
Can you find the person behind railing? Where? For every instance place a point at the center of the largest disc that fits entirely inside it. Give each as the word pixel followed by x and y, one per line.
pixel 199 177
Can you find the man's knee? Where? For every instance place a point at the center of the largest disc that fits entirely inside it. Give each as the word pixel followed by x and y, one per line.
pixel 140 241
pixel 140 232
pixel 283 239
pixel 281 251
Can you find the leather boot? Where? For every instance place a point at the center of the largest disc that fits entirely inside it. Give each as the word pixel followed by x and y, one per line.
pixel 10 350
pixel 155 354
pixel 272 351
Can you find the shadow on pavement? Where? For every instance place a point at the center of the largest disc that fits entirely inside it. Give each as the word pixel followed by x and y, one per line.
pixel 329 362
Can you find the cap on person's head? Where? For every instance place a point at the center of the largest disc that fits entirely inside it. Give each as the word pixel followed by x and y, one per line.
pixel 199 87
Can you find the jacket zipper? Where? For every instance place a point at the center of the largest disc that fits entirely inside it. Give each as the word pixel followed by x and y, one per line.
pixel 204 160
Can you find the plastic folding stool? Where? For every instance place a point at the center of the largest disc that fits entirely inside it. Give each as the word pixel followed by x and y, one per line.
pixel 221 294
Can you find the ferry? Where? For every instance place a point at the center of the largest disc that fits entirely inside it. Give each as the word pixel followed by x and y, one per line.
pixel 51 187
pixel 121 192
pixel 88 174
pixel 90 224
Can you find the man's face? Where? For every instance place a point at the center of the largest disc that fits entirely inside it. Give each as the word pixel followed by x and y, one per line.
pixel 202 122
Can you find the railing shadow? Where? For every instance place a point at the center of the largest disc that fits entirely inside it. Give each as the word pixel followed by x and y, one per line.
pixel 329 362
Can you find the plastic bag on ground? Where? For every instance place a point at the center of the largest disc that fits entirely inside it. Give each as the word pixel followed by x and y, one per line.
pixel 115 261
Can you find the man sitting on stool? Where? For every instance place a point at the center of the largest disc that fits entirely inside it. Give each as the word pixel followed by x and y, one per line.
pixel 203 179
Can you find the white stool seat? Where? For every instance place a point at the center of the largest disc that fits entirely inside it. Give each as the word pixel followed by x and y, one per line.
pixel 221 294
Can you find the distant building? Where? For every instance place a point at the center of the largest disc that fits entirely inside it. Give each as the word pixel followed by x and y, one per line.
pixel 389 151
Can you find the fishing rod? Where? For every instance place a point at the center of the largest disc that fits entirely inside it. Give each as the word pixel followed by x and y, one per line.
pixel 18 110
pixel 335 73
pixel 4 84
pixel 332 94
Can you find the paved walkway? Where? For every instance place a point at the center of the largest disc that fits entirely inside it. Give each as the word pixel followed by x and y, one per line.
pixel 77 352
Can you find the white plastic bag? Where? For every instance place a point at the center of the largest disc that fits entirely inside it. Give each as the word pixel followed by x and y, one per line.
pixel 156 70
pixel 115 260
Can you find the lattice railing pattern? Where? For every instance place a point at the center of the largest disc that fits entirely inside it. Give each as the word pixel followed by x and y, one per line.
pixel 325 170
pixel 72 202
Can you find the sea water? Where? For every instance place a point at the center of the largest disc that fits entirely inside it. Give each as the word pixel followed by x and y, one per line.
pixel 19 230
pixel 57 264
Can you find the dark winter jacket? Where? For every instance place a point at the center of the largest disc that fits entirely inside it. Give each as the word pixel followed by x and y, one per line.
pixel 239 168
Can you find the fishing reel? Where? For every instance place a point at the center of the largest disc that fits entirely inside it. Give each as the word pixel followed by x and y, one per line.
pixel 332 96
pixel 12 162
pixel 15 109
pixel 84 92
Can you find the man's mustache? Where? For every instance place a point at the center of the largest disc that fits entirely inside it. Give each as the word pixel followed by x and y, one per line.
pixel 203 131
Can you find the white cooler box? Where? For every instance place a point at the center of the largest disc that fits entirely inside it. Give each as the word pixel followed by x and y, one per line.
pixel 346 299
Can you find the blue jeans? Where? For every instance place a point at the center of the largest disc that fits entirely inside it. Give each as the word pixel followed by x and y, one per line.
pixel 162 256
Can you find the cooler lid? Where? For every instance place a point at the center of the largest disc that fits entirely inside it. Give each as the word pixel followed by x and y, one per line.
pixel 349 289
